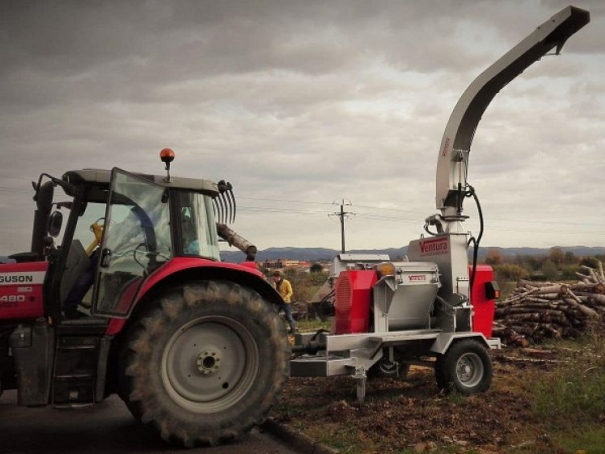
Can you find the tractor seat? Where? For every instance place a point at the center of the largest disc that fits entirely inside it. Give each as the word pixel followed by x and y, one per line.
pixel 76 264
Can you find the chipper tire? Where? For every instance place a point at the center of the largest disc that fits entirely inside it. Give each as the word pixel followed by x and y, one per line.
pixel 205 363
pixel 466 368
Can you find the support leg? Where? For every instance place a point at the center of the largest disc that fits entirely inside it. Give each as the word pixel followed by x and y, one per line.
pixel 361 377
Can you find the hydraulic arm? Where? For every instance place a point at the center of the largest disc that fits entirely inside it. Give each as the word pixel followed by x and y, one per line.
pixel 452 164
pixel 449 248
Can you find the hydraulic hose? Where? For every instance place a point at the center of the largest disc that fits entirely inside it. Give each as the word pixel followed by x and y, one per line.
pixel 471 193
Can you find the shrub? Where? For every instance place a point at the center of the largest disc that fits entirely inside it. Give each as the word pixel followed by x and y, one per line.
pixel 550 270
pixel 592 262
pixel 569 272
pixel 316 268
pixel 304 285
pixel 510 272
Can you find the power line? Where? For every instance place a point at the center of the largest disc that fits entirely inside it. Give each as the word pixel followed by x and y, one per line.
pixel 400 210
pixel 389 209
pixel 284 200
pixel 405 219
pixel 364 215
pixel 281 210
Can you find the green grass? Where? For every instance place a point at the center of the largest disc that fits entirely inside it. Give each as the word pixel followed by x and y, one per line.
pixel 312 325
pixel 456 398
pixel 571 400
pixel 576 390
pixel 345 440
pixel 447 449
pixel 589 438
pixel 579 394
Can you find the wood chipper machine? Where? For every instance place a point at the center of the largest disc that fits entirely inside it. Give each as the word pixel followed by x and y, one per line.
pixel 435 309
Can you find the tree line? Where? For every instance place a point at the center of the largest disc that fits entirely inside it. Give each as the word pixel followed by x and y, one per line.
pixel 556 265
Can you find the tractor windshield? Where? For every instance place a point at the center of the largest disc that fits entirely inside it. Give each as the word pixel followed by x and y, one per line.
pixel 198 230
pixel 136 241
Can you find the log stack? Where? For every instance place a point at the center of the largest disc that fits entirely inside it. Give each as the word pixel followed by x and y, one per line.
pixel 535 311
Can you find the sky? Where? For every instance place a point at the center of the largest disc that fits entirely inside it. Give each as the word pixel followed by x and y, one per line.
pixel 300 104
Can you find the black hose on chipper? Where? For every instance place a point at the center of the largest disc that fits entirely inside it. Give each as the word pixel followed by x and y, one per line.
pixel 471 193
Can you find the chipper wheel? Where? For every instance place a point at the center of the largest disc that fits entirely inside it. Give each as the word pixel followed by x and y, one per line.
pixel 205 363
pixel 466 367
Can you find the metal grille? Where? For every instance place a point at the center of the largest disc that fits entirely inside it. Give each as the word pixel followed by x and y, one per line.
pixel 344 302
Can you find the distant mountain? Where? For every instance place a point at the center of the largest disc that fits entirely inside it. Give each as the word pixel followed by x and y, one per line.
pixel 316 254
pixel 581 251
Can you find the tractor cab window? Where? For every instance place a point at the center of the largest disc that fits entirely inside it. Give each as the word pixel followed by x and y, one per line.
pixel 82 257
pixel 198 230
pixel 136 241
pixel 89 226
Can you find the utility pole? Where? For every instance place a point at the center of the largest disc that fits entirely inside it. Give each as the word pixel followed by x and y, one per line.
pixel 342 214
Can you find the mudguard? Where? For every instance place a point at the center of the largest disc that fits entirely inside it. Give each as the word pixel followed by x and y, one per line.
pixel 182 269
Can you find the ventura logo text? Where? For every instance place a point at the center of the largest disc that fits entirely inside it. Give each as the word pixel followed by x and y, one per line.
pixel 419 277
pixel 433 247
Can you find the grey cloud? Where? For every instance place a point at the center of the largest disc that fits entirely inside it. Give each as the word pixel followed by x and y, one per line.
pixel 307 101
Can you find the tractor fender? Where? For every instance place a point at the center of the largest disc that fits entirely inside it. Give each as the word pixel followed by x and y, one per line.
pixel 181 270
pixel 444 340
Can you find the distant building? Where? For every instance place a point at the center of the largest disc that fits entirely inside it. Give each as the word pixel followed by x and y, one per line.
pixel 269 265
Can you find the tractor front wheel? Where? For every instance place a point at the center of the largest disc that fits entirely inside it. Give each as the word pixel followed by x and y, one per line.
pixel 466 367
pixel 205 364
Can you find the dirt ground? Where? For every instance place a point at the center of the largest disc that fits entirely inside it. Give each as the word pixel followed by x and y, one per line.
pixel 412 415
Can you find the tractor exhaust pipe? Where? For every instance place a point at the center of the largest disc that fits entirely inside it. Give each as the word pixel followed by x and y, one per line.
pixel 239 242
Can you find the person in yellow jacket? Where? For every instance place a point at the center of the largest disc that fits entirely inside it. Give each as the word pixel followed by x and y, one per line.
pixel 284 288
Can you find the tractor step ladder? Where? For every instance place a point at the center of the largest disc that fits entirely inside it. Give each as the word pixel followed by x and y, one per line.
pixel 75 371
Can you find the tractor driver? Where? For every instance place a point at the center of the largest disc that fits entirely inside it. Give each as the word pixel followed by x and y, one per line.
pixel 85 280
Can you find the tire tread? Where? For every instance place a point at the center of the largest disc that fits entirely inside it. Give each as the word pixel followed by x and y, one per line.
pixel 446 364
pixel 137 347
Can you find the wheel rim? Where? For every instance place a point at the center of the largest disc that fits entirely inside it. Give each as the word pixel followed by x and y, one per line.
pixel 209 364
pixel 469 370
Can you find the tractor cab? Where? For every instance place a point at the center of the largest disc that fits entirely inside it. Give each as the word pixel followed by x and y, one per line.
pixel 121 228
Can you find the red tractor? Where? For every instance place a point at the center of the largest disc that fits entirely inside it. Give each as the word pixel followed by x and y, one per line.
pixel 192 345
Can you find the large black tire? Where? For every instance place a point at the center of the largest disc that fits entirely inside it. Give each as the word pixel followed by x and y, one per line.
pixel 205 363
pixel 466 367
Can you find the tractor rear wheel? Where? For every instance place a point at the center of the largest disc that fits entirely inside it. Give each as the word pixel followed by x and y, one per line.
pixel 466 367
pixel 205 363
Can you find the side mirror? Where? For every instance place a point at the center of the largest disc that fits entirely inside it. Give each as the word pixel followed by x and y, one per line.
pixel 55 221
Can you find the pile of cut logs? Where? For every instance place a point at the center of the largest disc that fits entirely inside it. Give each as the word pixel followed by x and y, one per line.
pixel 539 310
